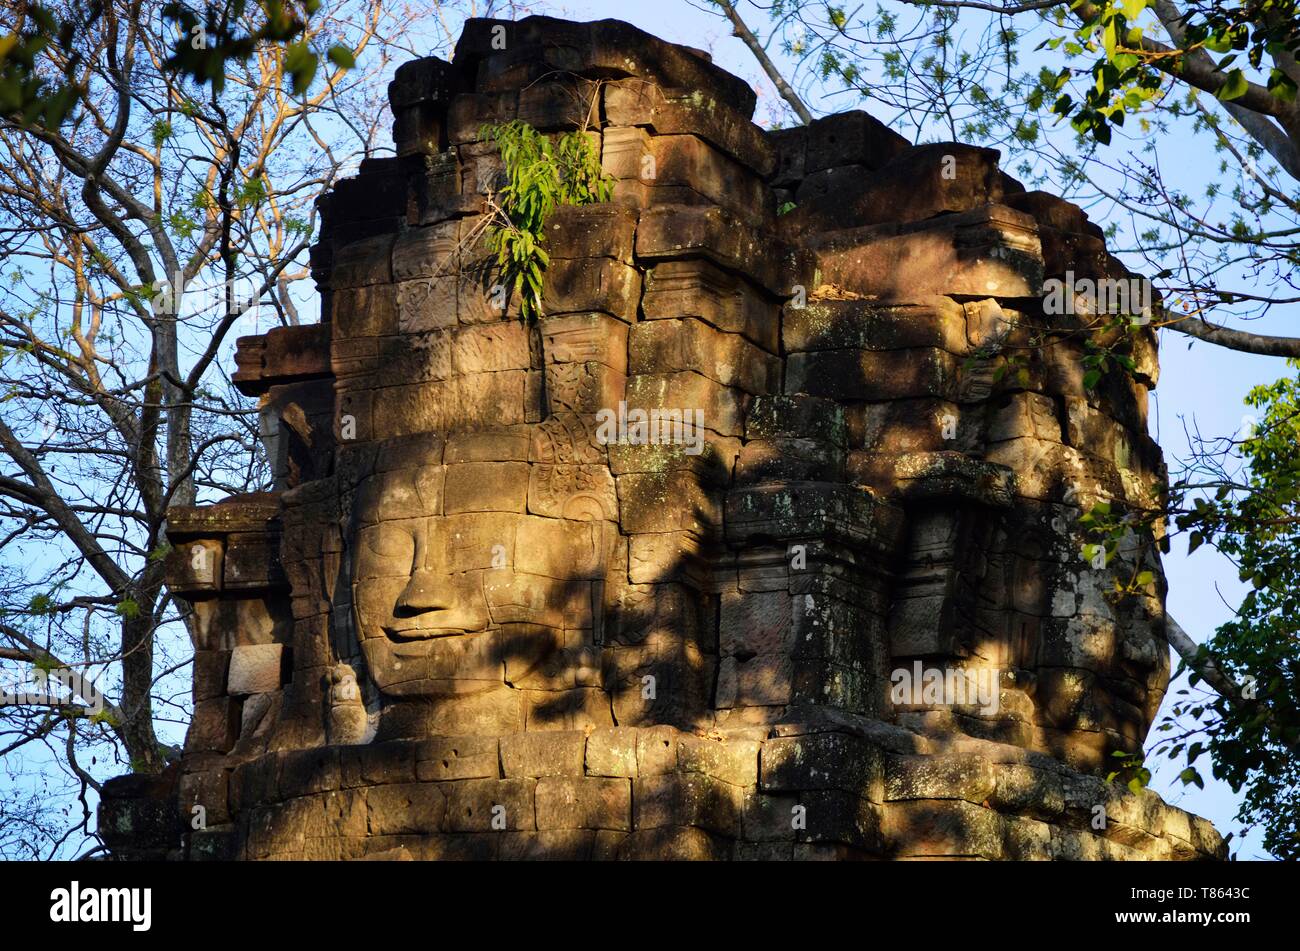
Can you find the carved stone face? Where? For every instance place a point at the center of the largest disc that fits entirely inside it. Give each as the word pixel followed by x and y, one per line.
pixel 465 602
pixel 501 545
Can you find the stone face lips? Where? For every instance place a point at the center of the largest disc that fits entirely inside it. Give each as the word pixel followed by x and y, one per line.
pixel 647 578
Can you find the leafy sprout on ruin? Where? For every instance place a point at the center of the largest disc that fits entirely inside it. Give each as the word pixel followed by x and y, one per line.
pixel 541 175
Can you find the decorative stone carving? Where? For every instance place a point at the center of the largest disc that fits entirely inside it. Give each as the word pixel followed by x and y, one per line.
pixel 347 715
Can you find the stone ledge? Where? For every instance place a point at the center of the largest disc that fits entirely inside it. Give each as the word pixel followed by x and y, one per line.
pixel 906 796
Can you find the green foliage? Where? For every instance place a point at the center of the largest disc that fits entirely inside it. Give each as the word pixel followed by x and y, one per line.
pixel 1014 367
pixel 1100 360
pixel 541 175
pixel 1129 770
pixel 182 225
pixel 28 94
pixel 1253 738
pixel 104 717
pixel 1108 528
pixel 127 608
pixel 251 193
pixel 1124 77
pixel 162 131
pixel 230 30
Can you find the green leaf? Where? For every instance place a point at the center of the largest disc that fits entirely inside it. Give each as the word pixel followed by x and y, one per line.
pixel 1190 776
pixel 1234 88
pixel 1219 42
pixel 342 57
pixel 300 63
pixel 1281 85
pixel 1133 8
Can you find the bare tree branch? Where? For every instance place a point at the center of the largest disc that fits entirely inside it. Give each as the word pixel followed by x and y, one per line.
pixel 760 54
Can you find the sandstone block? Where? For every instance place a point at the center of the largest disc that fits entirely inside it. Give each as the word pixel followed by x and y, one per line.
pixel 849 138
pixel 362 263
pixel 678 231
pixel 210 673
pixel 583 285
pixel 676 111
pixel 834 324
pixel 489 805
pixel 487 487
pixel 694 799
pixel 643 496
pixel 463 757
pixel 549 845
pixel 408 808
pixel 583 338
pixel 731 759
pixel 214 726
pixel 256 668
pixel 543 754
pixel 867 375
pixel 947 829
pixel 723 407
pixel 196 565
pixel 989 252
pixel 584 802
pixel 612 752
pixel 701 289
pixel 378 763
pixel 792 764
pixel 923 182
pixel 948 776
pixel 669 346
pixel 656 750
pixel 538 46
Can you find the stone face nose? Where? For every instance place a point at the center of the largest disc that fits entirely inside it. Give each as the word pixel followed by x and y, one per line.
pixel 424 593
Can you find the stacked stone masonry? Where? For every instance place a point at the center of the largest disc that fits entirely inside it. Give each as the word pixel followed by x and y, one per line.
pixel 466 626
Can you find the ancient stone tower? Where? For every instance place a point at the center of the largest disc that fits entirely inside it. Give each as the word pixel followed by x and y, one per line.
pixel 469 624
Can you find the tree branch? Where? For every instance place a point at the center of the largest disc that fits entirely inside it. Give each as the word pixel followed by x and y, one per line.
pixel 1272 138
pixel 1244 341
pixel 760 54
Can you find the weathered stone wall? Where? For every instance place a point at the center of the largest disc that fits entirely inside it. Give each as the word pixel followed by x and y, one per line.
pixel 466 626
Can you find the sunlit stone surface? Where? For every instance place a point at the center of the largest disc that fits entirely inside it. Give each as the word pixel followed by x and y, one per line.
pixel 471 622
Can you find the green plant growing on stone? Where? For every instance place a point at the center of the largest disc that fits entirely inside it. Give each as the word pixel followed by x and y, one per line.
pixel 1112 528
pixel 541 175
pixel 1100 359
pixel 1129 771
